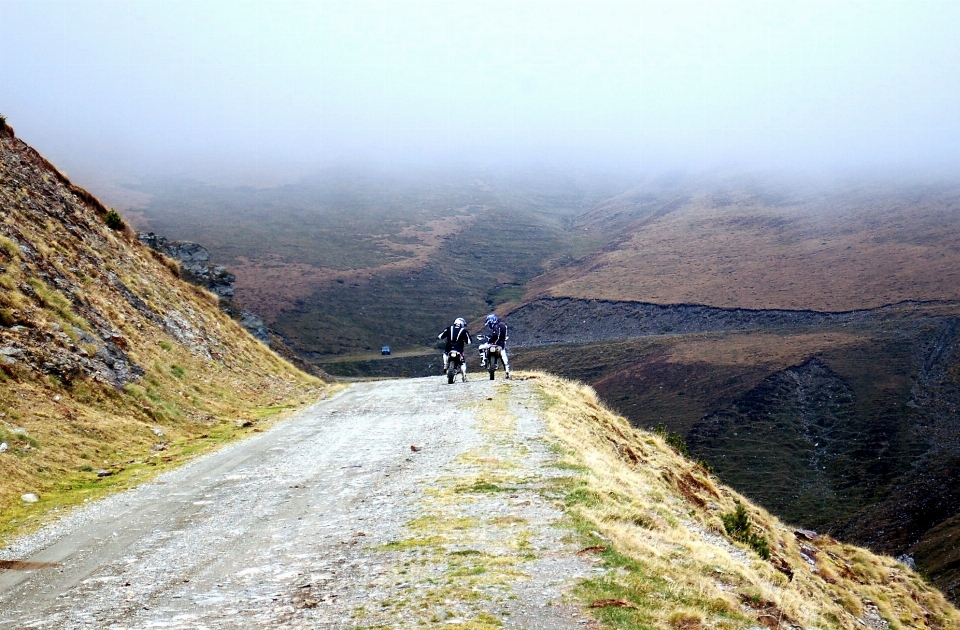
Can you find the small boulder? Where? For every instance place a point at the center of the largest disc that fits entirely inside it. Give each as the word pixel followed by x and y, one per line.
pixel 3 446
pixel 29 497
pixel 806 534
pixel 908 561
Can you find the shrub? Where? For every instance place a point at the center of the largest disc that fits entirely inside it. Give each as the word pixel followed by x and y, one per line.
pixel 3 122
pixel 673 439
pixel 738 526
pixel 113 220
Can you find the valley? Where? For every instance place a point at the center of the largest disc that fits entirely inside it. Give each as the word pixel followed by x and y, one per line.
pixel 115 370
pixel 351 262
pixel 798 337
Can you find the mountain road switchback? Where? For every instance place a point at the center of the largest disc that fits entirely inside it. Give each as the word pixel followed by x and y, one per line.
pixel 393 504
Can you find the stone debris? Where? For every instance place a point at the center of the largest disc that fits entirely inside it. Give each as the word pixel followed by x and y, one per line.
pixel 29 497
pixel 908 561
pixel 806 534
pixel 3 447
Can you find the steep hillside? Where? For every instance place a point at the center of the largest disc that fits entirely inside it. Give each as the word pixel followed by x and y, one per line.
pixel 685 560
pixel 843 423
pixel 110 366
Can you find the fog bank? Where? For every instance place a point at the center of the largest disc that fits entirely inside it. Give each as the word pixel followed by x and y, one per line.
pixel 255 90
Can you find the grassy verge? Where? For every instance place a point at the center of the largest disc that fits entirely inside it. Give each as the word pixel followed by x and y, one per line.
pixel 61 489
pixel 656 519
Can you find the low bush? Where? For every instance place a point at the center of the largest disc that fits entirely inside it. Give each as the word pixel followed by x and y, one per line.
pixel 675 440
pixel 113 220
pixel 738 526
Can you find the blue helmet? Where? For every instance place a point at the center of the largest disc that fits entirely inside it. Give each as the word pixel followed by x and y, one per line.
pixel 492 319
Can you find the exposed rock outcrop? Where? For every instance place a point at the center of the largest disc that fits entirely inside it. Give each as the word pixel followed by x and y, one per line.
pixel 195 265
pixel 196 268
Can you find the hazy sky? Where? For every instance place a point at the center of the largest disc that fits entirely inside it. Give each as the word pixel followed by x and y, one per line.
pixel 145 87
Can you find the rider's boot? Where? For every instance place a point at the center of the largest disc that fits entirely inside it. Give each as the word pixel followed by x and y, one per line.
pixel 446 362
pixel 508 376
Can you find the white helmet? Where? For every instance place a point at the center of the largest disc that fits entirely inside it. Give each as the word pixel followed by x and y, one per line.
pixel 461 322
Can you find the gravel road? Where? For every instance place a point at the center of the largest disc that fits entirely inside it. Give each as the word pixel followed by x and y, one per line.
pixel 328 520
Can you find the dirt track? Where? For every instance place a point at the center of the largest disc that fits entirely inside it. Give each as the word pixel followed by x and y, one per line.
pixel 329 520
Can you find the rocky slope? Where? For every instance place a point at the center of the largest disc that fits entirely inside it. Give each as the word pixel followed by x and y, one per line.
pixel 107 359
pixel 197 268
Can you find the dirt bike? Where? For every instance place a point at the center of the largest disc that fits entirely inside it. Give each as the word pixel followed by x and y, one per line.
pixel 456 362
pixel 493 357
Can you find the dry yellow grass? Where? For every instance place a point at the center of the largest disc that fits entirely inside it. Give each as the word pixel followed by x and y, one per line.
pixel 662 512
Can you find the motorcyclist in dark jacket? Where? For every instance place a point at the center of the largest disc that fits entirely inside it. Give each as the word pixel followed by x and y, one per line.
pixel 456 337
pixel 498 337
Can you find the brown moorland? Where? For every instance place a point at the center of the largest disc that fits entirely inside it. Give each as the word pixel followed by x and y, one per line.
pixel 275 284
pixel 837 251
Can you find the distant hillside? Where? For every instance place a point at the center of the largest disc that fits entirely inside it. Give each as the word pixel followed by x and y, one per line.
pixel 350 261
pixel 752 322
pixel 110 366
pixel 764 247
